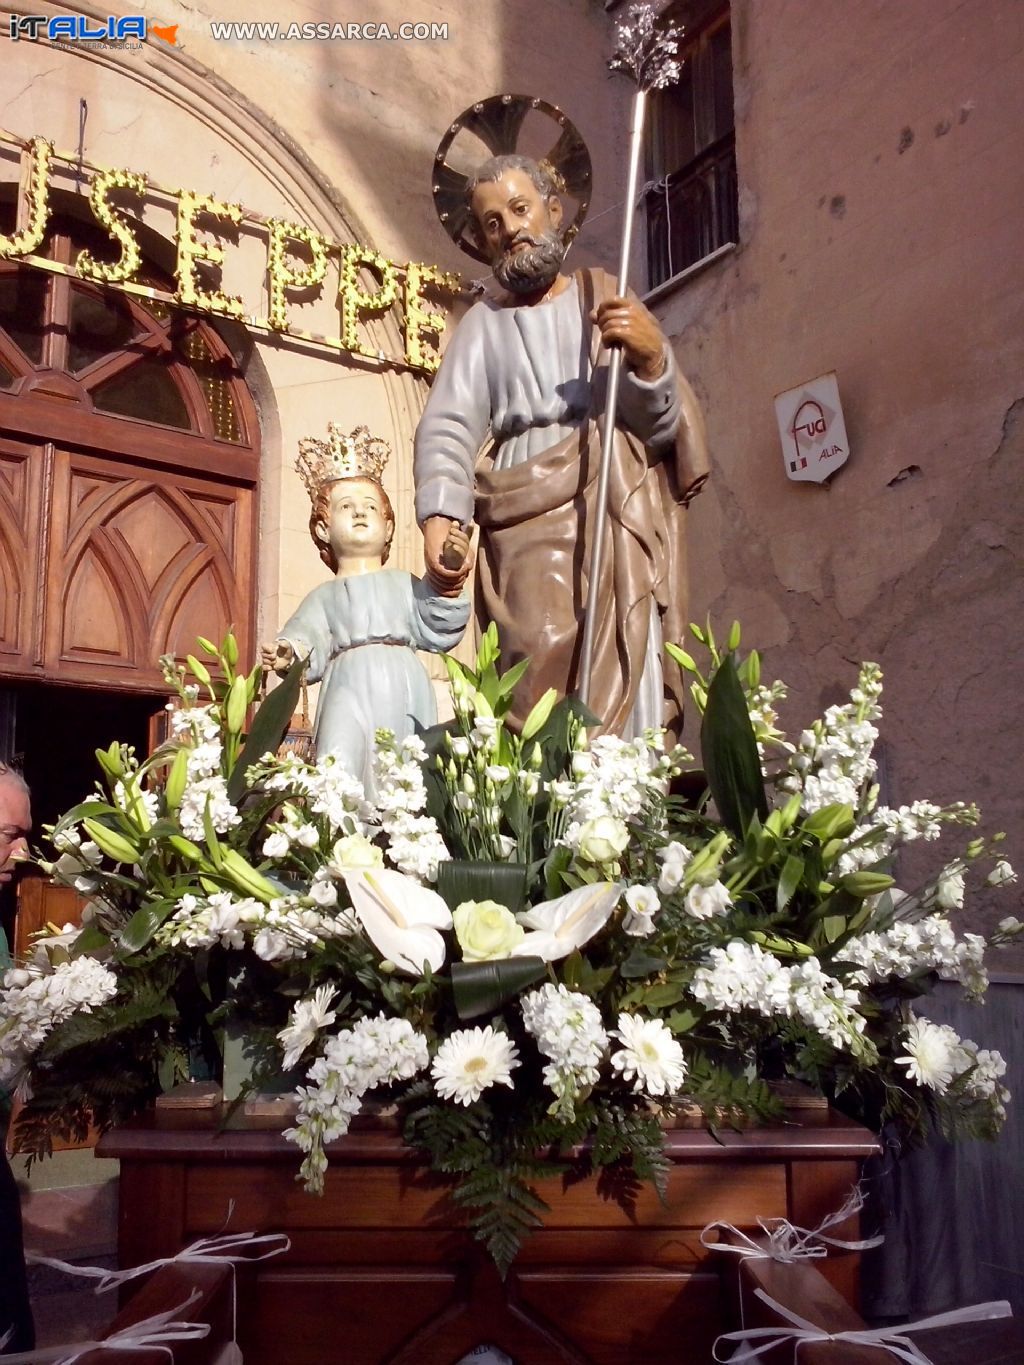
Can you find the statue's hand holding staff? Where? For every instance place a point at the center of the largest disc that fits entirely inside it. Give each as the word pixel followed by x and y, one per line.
pixel 627 323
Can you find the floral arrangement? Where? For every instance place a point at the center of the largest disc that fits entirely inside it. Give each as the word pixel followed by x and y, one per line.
pixel 536 945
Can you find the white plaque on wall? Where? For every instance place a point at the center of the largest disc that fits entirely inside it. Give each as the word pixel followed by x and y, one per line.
pixel 812 429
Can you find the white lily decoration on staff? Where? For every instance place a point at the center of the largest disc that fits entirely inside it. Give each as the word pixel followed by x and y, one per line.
pixel 568 922
pixel 400 917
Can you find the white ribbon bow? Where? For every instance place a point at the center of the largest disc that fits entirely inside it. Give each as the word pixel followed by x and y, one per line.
pixel 788 1243
pixel 227 1248
pixel 213 1249
pixel 761 1340
pixel 154 1332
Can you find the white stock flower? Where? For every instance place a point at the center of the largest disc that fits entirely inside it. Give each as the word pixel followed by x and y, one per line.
pixel 650 1057
pixel 305 1021
pixel 643 905
pixel 704 902
pixel 33 1001
pixel 470 1060
pixel 569 1031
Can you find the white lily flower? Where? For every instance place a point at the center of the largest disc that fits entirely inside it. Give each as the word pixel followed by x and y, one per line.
pixel 568 922
pixel 400 917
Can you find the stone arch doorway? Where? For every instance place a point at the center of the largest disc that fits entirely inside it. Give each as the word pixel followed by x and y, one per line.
pixel 129 477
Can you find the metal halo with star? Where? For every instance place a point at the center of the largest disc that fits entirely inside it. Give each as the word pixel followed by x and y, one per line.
pixel 498 123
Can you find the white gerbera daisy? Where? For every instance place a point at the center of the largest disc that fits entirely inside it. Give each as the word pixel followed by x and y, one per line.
pixel 471 1060
pixel 651 1057
pixel 931 1054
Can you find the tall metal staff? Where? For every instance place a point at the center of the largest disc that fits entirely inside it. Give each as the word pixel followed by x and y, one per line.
pixel 647 54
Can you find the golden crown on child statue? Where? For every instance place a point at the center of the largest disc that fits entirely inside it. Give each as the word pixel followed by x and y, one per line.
pixel 355 456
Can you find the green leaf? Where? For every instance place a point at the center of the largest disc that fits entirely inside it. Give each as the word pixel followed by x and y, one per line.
pixel 789 879
pixel 269 727
pixel 481 987
pixel 729 751
pixel 510 681
pixel 681 1021
pixel 459 881
pixel 833 927
pixel 662 995
pixel 90 940
pixel 144 924
pixel 641 962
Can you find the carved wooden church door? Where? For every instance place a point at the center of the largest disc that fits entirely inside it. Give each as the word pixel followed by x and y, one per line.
pixel 128 479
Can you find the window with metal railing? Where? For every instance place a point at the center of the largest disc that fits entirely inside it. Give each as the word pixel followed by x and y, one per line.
pixel 691 195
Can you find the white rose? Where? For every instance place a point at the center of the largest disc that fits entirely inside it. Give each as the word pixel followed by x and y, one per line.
pixel 1001 874
pixel 643 905
pixel 486 930
pixel 276 845
pixel 949 890
pixel 269 944
pixel 703 902
pixel 602 839
pixel 324 893
pixel 354 851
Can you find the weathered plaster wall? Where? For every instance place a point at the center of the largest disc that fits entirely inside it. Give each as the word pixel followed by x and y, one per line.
pixel 881 192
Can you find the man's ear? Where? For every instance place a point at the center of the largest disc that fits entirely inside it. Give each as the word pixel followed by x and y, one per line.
pixel 555 210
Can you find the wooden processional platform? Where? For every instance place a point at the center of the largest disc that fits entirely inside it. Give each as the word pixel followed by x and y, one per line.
pixel 381 1271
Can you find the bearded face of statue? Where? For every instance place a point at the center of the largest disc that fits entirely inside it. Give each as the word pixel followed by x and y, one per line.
pixel 519 228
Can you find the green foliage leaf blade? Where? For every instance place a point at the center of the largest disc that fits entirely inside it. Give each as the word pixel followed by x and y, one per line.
pixel 459 881
pixel 789 879
pixel 480 987
pixel 269 727
pixel 729 751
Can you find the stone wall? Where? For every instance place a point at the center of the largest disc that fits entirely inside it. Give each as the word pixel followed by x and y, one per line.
pixel 881 191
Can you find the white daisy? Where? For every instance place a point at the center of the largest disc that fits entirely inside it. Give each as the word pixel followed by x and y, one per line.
pixel 471 1060
pixel 930 1058
pixel 651 1057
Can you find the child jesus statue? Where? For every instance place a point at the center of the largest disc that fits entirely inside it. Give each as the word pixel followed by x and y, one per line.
pixel 359 631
